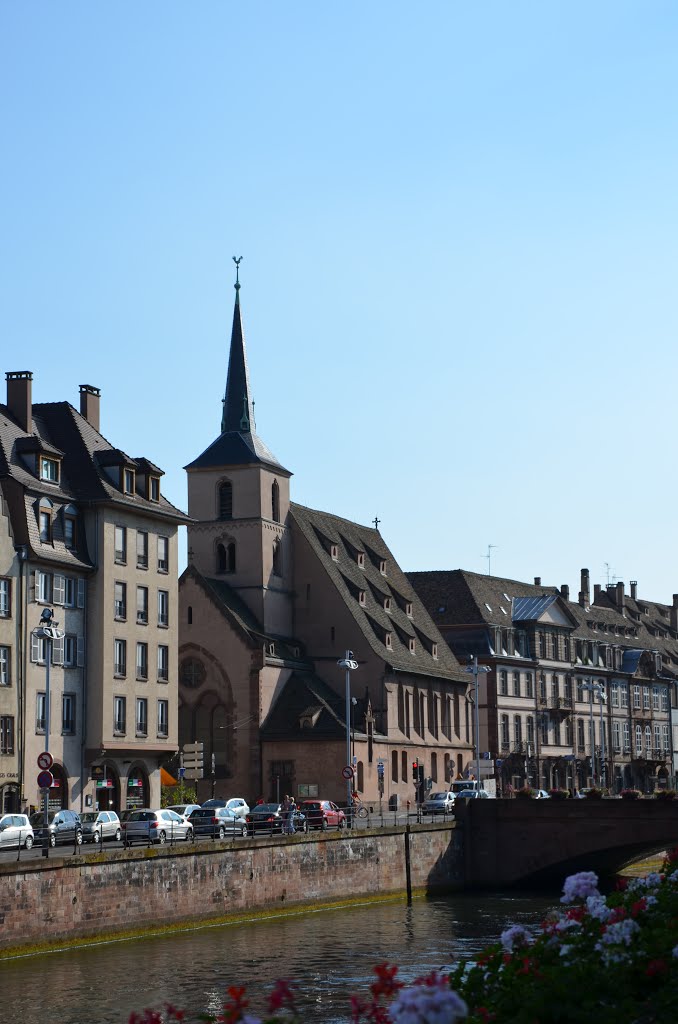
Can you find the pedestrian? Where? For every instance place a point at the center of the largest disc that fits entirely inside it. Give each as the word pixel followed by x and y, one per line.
pixel 285 811
pixel 290 817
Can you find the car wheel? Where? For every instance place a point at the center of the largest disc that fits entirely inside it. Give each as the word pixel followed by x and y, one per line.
pixel 161 838
pixel 342 823
pixel 28 843
pixel 95 837
pixel 221 832
pixel 118 835
pixel 304 827
pixel 189 836
pixel 323 825
pixel 52 839
pixel 243 831
pixel 78 838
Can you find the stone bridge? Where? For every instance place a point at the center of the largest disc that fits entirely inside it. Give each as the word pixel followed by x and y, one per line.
pixel 509 842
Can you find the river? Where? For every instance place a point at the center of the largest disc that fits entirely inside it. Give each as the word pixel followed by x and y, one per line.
pixel 330 952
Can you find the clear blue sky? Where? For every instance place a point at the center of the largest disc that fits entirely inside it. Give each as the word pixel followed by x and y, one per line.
pixel 458 224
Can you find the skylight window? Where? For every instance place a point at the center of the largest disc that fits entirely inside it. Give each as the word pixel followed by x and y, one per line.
pixel 488 607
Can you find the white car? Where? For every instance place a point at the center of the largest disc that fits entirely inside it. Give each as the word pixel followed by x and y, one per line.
pixel 542 794
pixel 237 806
pixel 473 794
pixel 15 830
pixel 439 803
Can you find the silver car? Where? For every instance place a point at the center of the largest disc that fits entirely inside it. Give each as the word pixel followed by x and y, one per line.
pixel 156 826
pixel 15 830
pixel 100 825
pixel 439 803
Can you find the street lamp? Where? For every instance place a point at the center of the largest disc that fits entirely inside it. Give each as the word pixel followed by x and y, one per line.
pixel 475 669
pixel 597 690
pixel 349 664
pixel 47 631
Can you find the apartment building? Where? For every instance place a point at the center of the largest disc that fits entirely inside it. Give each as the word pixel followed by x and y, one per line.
pixel 94 540
pixel 577 691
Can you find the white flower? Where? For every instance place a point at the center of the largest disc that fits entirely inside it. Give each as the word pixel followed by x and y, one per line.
pixel 428 1004
pixel 598 908
pixel 514 937
pixel 580 886
pixel 565 923
pixel 618 934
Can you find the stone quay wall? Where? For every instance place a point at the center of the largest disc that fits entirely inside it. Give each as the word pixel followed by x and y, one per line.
pixel 46 903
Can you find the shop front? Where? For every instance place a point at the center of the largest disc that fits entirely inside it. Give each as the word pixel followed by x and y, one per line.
pixel 137 788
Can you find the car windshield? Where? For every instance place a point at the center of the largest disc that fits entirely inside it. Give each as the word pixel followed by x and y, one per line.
pixel 203 812
pixel 38 818
pixel 311 805
pixel 89 816
pixel 438 796
pixel 267 808
pixel 142 816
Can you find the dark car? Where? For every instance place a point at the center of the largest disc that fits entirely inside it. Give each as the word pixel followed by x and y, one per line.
pixel 323 814
pixel 62 827
pixel 216 822
pixel 268 818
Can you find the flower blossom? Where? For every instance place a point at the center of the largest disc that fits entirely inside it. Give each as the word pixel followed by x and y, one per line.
pixel 428 1004
pixel 514 937
pixel 619 934
pixel 580 886
pixel 598 908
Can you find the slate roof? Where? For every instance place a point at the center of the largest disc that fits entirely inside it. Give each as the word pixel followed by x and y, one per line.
pixel 59 428
pixel 305 693
pixel 322 530
pixel 458 597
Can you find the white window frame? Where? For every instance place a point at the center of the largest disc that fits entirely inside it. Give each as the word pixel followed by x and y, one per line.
pixel 163 608
pixel 163 563
pixel 66 699
pixel 163 718
pixel 119 658
pixel 141 716
pixel 5 598
pixel 43 587
pixel 48 464
pixel 5 666
pixel 142 669
pixel 163 663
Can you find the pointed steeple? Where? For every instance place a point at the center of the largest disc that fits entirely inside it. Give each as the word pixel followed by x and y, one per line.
pixel 237 412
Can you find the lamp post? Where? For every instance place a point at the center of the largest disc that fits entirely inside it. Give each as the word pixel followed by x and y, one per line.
pixel 47 631
pixel 475 669
pixel 348 664
pixel 597 690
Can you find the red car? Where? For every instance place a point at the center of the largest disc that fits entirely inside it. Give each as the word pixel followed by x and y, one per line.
pixel 323 813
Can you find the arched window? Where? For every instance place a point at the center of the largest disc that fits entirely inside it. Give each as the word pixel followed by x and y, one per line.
pixel 230 557
pixel 275 502
pixel 226 557
pixel 226 500
pixel 221 558
pixel 277 558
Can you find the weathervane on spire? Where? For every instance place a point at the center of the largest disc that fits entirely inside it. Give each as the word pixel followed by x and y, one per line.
pixel 237 260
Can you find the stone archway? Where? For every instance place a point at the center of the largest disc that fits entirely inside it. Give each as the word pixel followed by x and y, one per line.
pixel 58 794
pixel 137 790
pixel 107 792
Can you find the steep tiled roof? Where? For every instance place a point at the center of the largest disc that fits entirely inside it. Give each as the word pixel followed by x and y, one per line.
pixel 322 531
pixel 305 693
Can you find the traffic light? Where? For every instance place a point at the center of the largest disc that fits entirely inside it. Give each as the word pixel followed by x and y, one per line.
pixel 415 772
pixel 420 775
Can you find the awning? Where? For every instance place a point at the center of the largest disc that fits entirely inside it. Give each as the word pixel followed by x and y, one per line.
pixel 166 779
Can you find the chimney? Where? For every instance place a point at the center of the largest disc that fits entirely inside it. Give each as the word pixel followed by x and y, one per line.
pixel 19 398
pixel 619 597
pixel 537 581
pixel 674 614
pixel 596 592
pixel 584 593
pixel 89 404
pixel 634 590
pixel 565 592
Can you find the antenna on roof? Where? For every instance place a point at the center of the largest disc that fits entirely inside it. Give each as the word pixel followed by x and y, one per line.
pixel 488 556
pixel 610 574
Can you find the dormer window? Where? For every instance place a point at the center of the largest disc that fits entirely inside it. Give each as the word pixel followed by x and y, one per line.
pixel 389 641
pixel 434 650
pixel 361 598
pixel 361 560
pixel 382 567
pixel 49 469
pixel 128 481
pixel 334 552
pixel 408 609
pixel 387 604
pixel 70 514
pixel 45 511
pixel 413 645
pixel 154 489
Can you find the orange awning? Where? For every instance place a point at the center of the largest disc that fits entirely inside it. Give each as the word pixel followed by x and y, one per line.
pixel 166 779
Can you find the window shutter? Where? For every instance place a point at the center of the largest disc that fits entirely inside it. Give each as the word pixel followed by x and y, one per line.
pixel 35 648
pixel 59 589
pixel 58 651
pixel 82 585
pixel 33 585
pixel 81 652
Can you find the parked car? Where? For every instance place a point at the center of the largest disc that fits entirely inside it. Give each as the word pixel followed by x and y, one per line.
pixel 542 794
pixel 268 818
pixel 439 803
pixel 183 809
pixel 100 824
pixel 322 814
pixel 15 830
pixel 156 826
pixel 62 827
pixel 472 794
pixel 236 804
pixel 216 822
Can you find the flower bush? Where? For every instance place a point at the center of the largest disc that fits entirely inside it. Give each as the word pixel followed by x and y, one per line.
pixel 665 794
pixel 612 960
pixel 559 794
pixel 630 794
pixel 526 793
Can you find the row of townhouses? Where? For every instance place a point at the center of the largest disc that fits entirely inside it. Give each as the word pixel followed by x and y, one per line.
pixel 242 653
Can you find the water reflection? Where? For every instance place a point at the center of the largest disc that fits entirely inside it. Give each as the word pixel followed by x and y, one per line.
pixel 331 953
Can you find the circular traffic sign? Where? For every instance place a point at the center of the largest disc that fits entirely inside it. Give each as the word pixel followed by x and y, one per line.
pixel 45 780
pixel 45 760
pixel 347 772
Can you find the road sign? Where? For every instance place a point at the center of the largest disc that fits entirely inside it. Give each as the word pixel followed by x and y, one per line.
pixel 193 748
pixel 193 773
pixel 45 760
pixel 45 780
pixel 486 767
pixel 182 772
pixel 347 772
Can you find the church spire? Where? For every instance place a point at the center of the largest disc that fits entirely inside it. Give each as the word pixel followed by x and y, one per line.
pixel 237 413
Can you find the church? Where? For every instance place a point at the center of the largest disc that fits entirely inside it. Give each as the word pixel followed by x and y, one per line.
pixel 273 597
